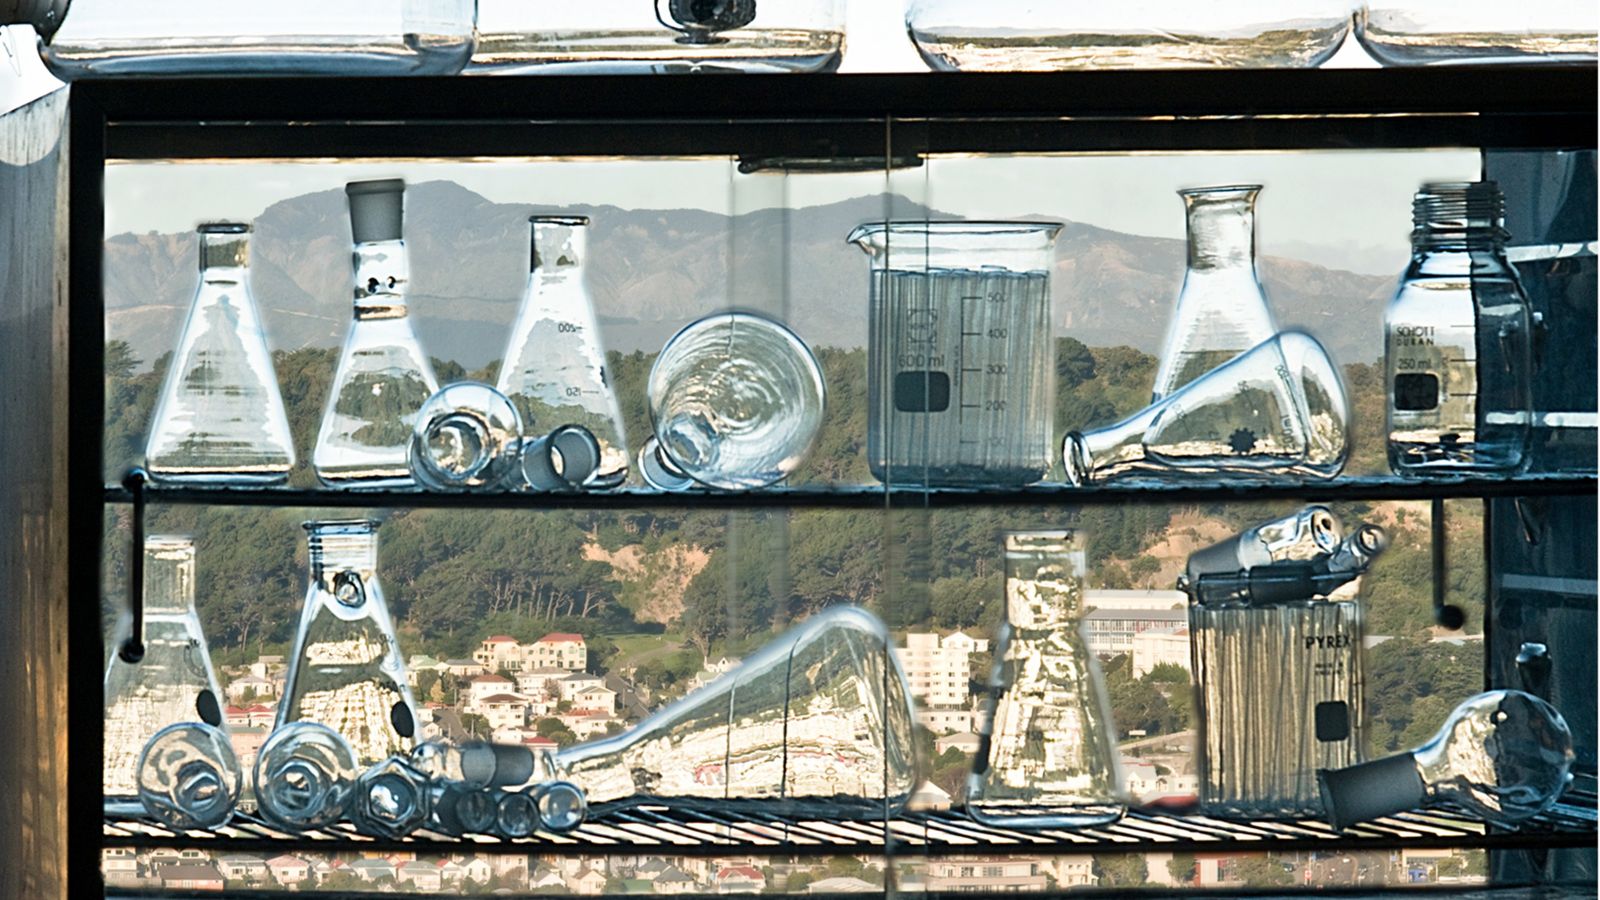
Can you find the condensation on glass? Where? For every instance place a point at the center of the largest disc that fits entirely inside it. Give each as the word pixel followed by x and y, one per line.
pixel 1013 35
pixel 1047 754
pixel 629 36
pixel 960 351
pixel 820 713
pixel 220 416
pixel 1478 32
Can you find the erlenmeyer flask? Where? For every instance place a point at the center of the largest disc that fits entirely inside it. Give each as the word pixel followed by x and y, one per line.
pixel 823 712
pixel 220 417
pixel 1278 409
pixel 1222 310
pixel 171 684
pixel 383 376
pixel 346 671
pixel 555 366
pixel 1047 754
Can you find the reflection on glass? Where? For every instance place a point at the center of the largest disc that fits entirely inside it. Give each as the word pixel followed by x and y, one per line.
pixel 1047 758
pixel 305 776
pixel 468 437
pixel 1278 409
pixel 1421 33
pixel 174 681
pixel 555 365
pixel 391 799
pixel 346 671
pixel 189 776
pixel 961 357
pixel 220 416
pixel 823 712
pixel 383 377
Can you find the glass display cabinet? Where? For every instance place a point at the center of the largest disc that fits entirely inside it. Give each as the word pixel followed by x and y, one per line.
pixel 702 195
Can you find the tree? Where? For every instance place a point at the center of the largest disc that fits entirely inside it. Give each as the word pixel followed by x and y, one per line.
pixel 1182 868
pixel 1260 871
pixel 1120 870
pixel 555 730
pixel 476 725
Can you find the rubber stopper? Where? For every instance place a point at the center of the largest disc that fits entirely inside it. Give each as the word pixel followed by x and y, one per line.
pixel 1215 559
pixel 376 209
pixel 513 764
pixel 44 15
pixel 1371 790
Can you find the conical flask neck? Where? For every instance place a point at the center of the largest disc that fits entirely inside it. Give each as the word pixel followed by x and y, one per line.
pixel 1221 228
pixel 381 276
pixel 339 549
pixel 224 251
pixel 1113 448
pixel 560 244
pixel 1044 578
pixel 169 588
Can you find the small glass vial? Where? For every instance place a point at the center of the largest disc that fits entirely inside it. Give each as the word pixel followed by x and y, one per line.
pixel 1457 354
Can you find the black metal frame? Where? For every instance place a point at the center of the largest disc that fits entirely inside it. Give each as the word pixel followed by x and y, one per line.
pixel 804 117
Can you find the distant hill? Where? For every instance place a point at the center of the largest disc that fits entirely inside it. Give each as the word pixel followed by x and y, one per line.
pixel 651 271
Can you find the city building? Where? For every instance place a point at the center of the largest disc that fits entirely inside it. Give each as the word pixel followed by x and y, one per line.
pixel 965 741
pixel 120 866
pixel 499 653
pixel 1071 871
pixel 1115 598
pixel 939 671
pixel 191 877
pixel 1160 646
pixel 1110 632
pixel 481 686
pixel 560 650
pixel 985 874
pixel 740 880
pixel 288 870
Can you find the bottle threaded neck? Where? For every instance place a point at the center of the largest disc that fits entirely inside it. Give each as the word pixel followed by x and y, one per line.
pixel 343 545
pixel 1458 214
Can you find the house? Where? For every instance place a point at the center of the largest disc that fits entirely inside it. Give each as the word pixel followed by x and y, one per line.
pixel 288 870
pixel 1078 870
pixel 323 868
pixel 120 866
pixel 673 880
pixel 451 872
pixel 560 650
pixel 843 884
pixel 541 682
pixel 477 869
pixel 504 710
pixel 546 877
pixel 236 716
pixel 713 671
pixel 1160 646
pixel 261 715
pixel 500 652
pixel 370 870
pixel 420 875
pixel 250 687
pixel 242 866
pixel 999 873
pixel 481 686
pixel 572 684
pixel 587 881
pixel 928 796
pixel 587 723
pixel 740 880
pixel 965 741
pixel 598 697
pixel 191 877
pixel 420 663
pixel 650 868
pixel 464 668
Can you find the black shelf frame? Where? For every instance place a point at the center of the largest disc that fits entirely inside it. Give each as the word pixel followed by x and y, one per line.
pixel 799 117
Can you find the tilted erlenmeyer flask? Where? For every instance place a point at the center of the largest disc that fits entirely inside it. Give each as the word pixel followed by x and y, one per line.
pixel 346 671
pixel 172 683
pixel 1278 409
pixel 822 712
pixel 220 417
pixel 1047 754
pixel 555 365
pixel 383 376
pixel 1222 310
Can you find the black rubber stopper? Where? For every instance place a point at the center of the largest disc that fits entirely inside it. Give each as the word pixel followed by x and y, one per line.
pixel 376 209
pixel 1215 559
pixel 513 764
pixel 207 708
pixel 400 718
pixel 1371 790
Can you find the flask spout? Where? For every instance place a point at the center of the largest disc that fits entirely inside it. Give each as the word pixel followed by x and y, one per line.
pixel 1221 226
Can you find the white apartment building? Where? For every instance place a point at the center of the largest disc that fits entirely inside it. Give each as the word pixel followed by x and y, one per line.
pixel 1117 598
pixel 557 650
pixel 985 874
pixel 938 668
pixel 1110 632
pixel 1160 646
pixel 481 686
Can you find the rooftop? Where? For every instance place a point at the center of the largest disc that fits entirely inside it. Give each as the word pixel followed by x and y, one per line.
pixel 1138 615
pixel 561 637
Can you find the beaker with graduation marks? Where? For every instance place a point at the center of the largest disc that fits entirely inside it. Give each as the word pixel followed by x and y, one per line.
pixel 960 354
pixel 220 416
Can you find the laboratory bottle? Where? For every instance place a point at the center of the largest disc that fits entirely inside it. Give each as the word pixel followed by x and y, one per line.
pixel 346 671
pixel 1222 308
pixel 1458 343
pixel 1478 32
pixel 1046 746
pixel 220 416
pixel 1303 534
pixel 555 365
pixel 960 352
pixel 383 377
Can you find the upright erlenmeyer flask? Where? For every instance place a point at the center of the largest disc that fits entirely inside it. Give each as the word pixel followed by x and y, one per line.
pixel 1222 310
pixel 821 714
pixel 220 417
pixel 346 672
pixel 171 684
pixel 1047 752
pixel 383 376
pixel 555 365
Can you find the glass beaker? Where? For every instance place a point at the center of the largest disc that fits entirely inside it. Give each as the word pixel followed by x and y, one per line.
pixel 238 37
pixel 346 672
pixel 1453 32
pixel 1458 350
pixel 220 416
pixel 736 400
pixel 1047 754
pixel 555 365
pixel 631 36
pixel 1013 35
pixel 960 352
pixel 1222 309
pixel 1277 409
pixel 172 683
pixel 383 378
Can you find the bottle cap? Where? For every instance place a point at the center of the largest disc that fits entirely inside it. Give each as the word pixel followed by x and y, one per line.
pixel 44 15
pixel 1371 790
pixel 376 209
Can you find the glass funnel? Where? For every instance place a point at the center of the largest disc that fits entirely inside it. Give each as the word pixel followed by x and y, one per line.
pixel 555 365
pixel 1222 309
pixel 220 416
pixel 960 351
pixel 173 683
pixel 821 714
pixel 1047 754
pixel 383 377
pixel 1456 32
pixel 346 672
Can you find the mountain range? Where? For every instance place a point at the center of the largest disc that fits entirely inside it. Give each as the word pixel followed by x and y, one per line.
pixel 652 271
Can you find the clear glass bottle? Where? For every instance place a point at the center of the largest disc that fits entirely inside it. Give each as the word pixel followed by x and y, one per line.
pixel 1304 534
pixel 346 672
pixel 189 776
pixel 960 352
pixel 467 437
pixel 383 378
pixel 1455 32
pixel 1458 343
pixel 83 38
pixel 1222 308
pixel 555 364
pixel 173 682
pixel 1013 35
pixel 626 36
pixel 305 776
pixel 220 416
pixel 1047 754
